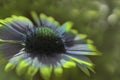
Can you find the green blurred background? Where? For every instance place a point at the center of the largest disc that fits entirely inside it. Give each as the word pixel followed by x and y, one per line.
pixel 99 19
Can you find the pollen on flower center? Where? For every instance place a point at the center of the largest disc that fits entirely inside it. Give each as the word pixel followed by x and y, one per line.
pixel 44 40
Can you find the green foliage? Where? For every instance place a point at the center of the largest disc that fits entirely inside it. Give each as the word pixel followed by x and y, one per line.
pixel 97 18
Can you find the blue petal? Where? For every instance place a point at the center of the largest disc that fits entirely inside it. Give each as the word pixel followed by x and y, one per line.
pixel 15 28
pixel 64 28
pixel 82 49
pixel 9 49
pixel 80 60
pixel 49 21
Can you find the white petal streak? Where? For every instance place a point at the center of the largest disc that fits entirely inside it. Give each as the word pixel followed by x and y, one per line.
pixel 81 53
pixel 22 55
pixel 61 30
pixel 80 47
pixel 28 61
pixel 36 63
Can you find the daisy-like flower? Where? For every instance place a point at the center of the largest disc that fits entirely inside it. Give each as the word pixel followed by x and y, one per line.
pixel 45 48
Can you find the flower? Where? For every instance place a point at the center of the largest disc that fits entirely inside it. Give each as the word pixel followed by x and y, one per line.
pixel 45 48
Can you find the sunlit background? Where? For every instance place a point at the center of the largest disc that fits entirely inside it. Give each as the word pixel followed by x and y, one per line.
pixel 99 19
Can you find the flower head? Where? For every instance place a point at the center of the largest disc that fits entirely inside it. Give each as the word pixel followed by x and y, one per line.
pixel 45 48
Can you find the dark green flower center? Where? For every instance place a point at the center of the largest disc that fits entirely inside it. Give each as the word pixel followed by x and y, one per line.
pixel 44 40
